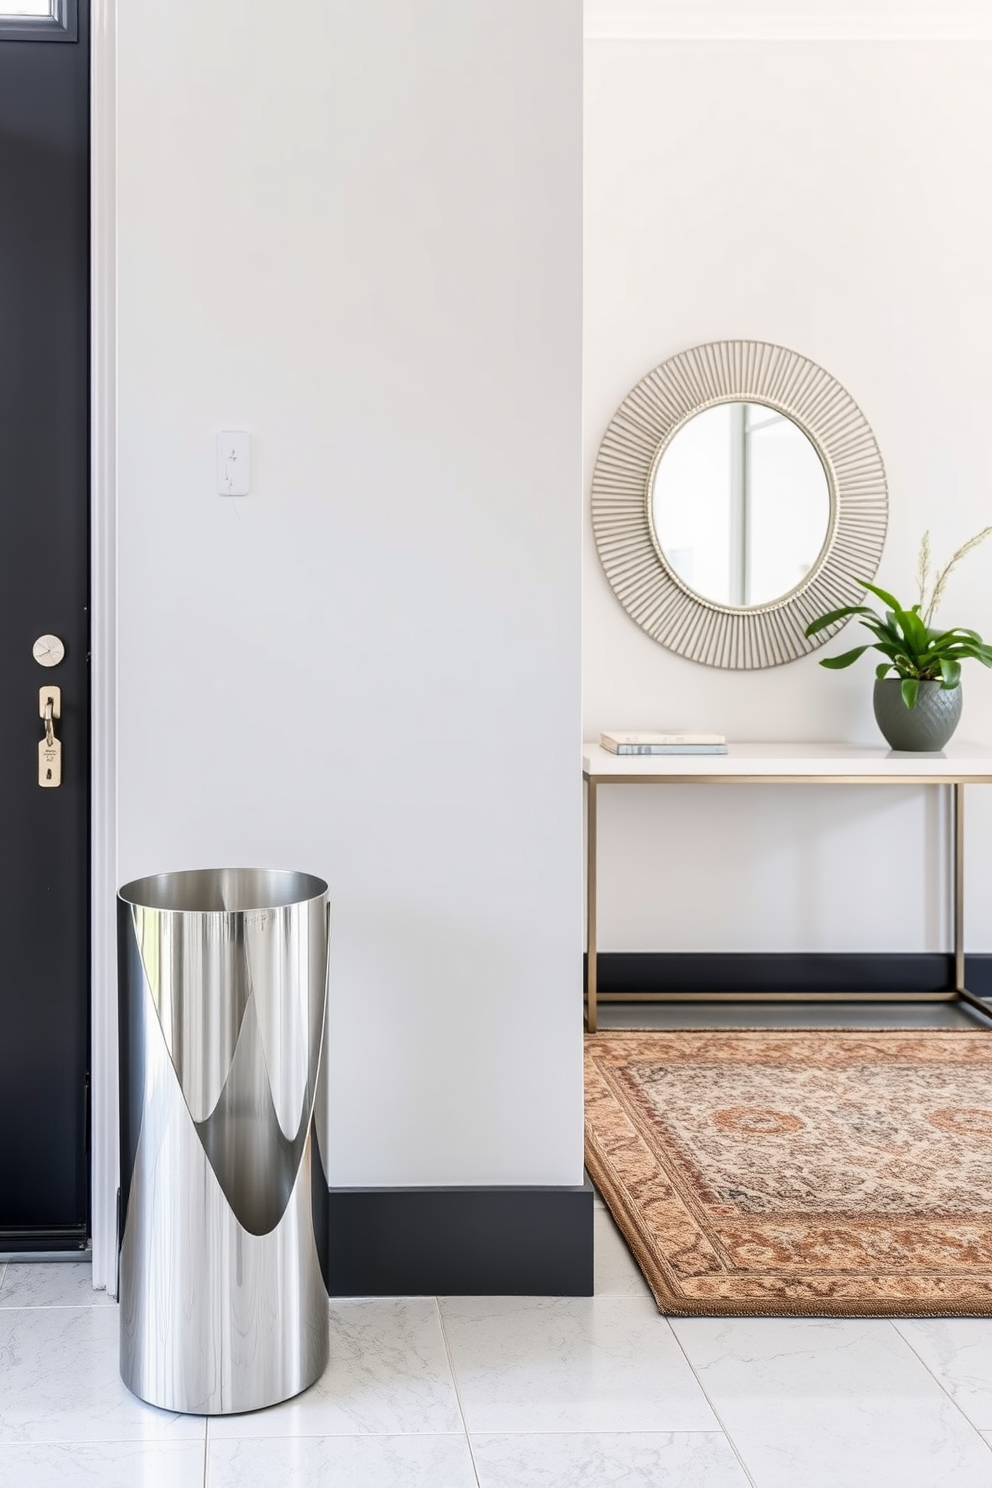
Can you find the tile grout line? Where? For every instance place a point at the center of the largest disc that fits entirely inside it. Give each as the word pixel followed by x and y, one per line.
pixel 189 1441
pixel 894 1325
pixel 709 1401
pixel 454 1386
pixel 206 1444
pixel 95 1441
pixel 492 1431
pixel 53 1307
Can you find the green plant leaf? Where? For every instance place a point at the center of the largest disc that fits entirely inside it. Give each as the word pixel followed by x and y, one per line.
pixel 882 594
pixel 965 648
pixel 892 652
pixel 939 637
pixel 914 630
pixel 844 613
pixel 910 687
pixel 950 672
pixel 883 670
pixel 964 651
pixel 846 659
pixel 885 633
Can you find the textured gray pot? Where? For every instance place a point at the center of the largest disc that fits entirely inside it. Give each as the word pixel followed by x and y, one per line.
pixel 928 726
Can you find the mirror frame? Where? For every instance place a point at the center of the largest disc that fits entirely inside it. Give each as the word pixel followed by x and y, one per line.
pixel 647 420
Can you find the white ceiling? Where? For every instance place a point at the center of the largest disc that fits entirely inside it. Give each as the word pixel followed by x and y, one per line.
pixel 965 20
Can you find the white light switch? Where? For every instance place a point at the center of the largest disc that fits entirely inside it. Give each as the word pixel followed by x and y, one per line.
pixel 232 462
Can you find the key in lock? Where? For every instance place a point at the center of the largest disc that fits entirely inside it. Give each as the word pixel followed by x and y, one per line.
pixel 49 748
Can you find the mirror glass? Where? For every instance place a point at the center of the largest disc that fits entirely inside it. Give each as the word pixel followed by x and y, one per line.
pixel 740 504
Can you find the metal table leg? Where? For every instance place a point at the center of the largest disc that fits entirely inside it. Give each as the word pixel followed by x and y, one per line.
pixel 591 906
pixel 957 903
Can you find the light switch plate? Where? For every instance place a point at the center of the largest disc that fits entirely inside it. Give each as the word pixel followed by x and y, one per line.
pixel 232 462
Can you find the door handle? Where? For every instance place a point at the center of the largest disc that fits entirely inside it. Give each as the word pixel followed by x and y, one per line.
pixel 49 748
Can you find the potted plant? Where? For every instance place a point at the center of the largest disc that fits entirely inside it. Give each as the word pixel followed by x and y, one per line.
pixel 919 707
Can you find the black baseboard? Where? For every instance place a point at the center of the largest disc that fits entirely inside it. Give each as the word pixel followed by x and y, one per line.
pixel 68 1238
pixel 460 1242
pixel 818 971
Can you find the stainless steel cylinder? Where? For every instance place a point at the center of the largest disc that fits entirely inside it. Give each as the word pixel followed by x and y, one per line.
pixel 222 982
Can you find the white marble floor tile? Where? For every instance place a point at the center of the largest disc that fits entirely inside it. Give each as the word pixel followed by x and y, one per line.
pixel 958 1351
pixel 52 1284
pixel 825 1402
pixel 103 1465
pixel 617 1274
pixel 388 1374
pixel 342 1461
pixel 570 1364
pixel 688 1459
pixel 60 1381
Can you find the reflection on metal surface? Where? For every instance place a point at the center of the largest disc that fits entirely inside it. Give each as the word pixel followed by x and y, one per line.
pixel 223 995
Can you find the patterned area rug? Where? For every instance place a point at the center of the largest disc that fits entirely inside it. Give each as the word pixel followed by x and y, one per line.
pixel 816 1173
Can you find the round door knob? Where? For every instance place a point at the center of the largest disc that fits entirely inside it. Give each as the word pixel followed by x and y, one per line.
pixel 48 650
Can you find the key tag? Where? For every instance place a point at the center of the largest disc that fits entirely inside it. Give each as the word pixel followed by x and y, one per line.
pixel 50 762
pixel 49 748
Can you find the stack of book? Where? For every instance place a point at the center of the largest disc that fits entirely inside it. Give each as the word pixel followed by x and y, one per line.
pixel 649 743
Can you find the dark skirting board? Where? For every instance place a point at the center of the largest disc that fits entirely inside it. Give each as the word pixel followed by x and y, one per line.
pixel 460 1242
pixel 639 972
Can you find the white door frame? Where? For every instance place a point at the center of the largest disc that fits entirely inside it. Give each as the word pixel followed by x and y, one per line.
pixel 104 1132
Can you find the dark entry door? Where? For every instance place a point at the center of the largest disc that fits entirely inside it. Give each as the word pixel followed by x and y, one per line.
pixel 44 578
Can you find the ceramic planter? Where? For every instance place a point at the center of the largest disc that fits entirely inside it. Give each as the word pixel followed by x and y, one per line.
pixel 924 728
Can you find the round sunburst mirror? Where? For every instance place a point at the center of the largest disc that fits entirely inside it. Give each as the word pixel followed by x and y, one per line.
pixel 738 494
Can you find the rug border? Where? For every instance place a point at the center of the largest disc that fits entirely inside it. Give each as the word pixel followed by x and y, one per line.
pixel 672 1305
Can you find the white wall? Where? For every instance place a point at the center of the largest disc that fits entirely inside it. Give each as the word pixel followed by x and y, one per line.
pixel 354 230
pixel 827 196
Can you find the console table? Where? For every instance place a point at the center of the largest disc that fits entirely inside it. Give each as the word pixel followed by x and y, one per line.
pixel 955 766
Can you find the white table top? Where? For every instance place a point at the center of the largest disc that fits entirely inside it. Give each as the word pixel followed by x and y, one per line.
pixel 750 761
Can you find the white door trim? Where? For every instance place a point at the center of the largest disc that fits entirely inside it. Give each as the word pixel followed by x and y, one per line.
pixel 103 643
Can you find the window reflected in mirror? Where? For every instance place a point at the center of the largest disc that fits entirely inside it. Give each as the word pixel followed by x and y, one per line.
pixel 740 504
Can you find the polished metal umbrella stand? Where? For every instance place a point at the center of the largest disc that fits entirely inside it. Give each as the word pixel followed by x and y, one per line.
pixel 223 973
